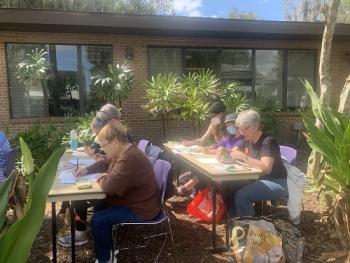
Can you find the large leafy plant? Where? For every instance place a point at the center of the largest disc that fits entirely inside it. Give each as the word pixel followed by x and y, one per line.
pixel 197 91
pixel 16 240
pixel 161 95
pixel 332 140
pixel 113 84
pixel 233 99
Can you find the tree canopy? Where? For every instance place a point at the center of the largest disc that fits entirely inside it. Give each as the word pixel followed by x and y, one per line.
pixel 234 13
pixel 314 10
pixel 149 7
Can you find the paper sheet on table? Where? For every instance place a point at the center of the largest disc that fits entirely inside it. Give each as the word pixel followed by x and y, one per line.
pixel 208 160
pixel 79 154
pixel 63 165
pixel 82 162
pixel 187 151
pixel 67 177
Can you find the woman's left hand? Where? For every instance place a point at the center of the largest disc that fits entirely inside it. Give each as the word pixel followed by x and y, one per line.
pixel 100 177
pixel 235 154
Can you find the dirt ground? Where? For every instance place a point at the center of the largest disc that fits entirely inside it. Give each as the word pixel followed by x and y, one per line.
pixel 193 238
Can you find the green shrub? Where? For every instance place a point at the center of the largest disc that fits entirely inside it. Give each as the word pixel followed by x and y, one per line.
pixel 42 139
pixel 82 126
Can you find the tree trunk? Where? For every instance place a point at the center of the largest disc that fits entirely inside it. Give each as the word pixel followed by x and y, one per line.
pixel 344 103
pixel 325 83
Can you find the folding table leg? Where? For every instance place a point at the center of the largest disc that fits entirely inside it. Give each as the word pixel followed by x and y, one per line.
pixel 227 225
pixel 213 187
pixel 54 232
pixel 72 230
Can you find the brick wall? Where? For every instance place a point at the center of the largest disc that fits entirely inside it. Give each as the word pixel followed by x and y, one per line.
pixel 140 122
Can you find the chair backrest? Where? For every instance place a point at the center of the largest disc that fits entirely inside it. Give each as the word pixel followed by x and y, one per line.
pixel 142 145
pixel 161 171
pixel 288 153
pixel 11 161
pixel 153 151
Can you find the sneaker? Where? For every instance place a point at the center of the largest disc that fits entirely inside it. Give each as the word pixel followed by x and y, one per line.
pixel 110 258
pixel 80 239
pixel 109 261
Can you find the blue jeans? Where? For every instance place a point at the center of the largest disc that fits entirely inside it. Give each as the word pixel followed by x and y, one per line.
pixel 102 222
pixel 271 189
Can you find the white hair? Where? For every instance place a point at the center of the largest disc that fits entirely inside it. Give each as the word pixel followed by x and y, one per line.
pixel 249 118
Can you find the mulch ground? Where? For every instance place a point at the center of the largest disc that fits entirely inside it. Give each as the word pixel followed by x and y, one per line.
pixel 193 238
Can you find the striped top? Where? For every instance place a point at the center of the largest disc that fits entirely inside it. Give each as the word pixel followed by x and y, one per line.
pixel 5 148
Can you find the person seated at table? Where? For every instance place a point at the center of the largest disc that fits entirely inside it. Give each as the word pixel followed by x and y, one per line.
pixel 221 149
pixel 261 151
pixel 216 129
pixel 128 179
pixel 230 139
pixel 5 148
pixel 105 115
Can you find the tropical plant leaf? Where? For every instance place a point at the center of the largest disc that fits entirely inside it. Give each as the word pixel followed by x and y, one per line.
pixel 332 140
pixel 27 158
pixel 5 188
pixel 16 243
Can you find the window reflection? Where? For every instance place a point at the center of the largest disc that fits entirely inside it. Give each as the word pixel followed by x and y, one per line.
pixel 69 86
pixel 197 59
pixel 164 60
pixel 236 66
pixel 269 73
pixel 300 67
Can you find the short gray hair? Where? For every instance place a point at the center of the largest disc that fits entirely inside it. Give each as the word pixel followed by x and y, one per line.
pixel 107 112
pixel 248 118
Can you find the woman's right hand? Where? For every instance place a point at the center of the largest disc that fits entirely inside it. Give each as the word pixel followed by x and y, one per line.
pixel 80 171
pixel 187 143
pixel 223 155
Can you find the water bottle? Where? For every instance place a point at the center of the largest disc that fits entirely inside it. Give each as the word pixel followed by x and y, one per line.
pixel 73 140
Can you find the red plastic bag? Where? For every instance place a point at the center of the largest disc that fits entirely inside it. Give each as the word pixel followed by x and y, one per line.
pixel 201 206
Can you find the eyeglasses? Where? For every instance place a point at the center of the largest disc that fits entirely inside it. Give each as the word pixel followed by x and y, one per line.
pixel 105 144
pixel 244 129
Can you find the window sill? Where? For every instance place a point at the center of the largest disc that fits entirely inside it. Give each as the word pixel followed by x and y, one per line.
pixel 37 120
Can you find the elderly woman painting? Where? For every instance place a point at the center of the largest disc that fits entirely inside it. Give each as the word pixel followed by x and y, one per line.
pixel 261 151
pixel 128 178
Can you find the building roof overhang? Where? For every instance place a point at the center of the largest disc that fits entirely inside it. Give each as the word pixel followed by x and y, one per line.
pixel 34 20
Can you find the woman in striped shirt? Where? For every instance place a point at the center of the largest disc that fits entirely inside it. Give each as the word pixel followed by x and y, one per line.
pixel 5 148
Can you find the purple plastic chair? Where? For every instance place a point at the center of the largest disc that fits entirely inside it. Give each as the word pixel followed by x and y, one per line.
pixel 142 145
pixel 161 170
pixel 289 154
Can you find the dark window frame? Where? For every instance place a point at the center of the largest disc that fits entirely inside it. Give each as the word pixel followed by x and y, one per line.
pixel 253 62
pixel 82 99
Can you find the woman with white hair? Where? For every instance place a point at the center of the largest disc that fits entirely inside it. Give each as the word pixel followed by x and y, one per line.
pixel 261 151
pixel 106 115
